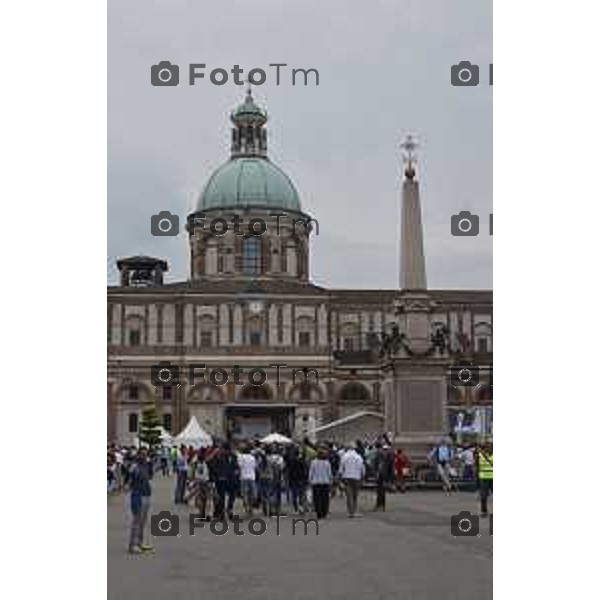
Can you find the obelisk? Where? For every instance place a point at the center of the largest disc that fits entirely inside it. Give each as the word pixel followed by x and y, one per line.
pixel 412 255
pixel 415 410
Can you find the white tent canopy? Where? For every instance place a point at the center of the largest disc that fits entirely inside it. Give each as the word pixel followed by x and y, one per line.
pixel 193 435
pixel 165 437
pixel 276 438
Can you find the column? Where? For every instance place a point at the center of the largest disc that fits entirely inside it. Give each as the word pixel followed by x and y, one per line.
pixel 223 321
pixel 188 326
pixel 111 412
pixel 323 328
pixel 287 325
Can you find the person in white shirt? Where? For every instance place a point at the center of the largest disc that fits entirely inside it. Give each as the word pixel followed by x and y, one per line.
pixel 352 472
pixel 320 478
pixel 118 471
pixel 247 464
pixel 467 457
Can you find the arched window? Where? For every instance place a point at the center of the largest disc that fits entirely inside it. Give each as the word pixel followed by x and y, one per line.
pixel 350 339
pixel 207 331
pixel 229 260
pixel 134 326
pixel 133 391
pixel 212 253
pixel 355 392
pixel 251 255
pixel 291 259
pixel 275 257
pixel 305 328
pixel 483 337
pixel 133 422
pixel 308 392
pixel 255 332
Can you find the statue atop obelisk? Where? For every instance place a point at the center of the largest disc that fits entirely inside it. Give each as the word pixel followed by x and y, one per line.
pixel 412 256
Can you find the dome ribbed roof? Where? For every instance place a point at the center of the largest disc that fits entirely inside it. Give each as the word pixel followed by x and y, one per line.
pixel 249 181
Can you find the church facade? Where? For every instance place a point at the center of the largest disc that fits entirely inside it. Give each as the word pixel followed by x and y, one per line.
pixel 249 345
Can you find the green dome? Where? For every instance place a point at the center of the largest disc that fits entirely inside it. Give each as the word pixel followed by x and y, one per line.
pixel 249 181
pixel 249 109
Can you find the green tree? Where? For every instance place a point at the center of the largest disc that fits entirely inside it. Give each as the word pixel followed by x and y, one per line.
pixel 150 428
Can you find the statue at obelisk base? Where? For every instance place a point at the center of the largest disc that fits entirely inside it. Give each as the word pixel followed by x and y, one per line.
pixel 413 309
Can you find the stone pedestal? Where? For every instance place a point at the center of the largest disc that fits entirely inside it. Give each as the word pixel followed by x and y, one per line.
pixel 415 409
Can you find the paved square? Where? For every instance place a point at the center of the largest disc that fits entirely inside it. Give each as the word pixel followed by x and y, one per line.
pixel 407 552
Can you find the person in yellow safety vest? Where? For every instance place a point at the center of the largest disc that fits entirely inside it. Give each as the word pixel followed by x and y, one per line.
pixel 485 474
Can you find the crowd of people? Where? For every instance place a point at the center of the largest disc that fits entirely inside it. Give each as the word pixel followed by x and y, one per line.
pixel 268 477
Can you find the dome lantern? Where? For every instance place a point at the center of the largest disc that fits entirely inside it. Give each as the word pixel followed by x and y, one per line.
pixel 248 135
pixel 249 178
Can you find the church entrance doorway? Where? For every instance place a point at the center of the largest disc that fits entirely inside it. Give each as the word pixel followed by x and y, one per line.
pixel 256 420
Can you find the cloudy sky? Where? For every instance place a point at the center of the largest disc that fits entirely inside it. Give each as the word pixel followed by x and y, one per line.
pixel 384 71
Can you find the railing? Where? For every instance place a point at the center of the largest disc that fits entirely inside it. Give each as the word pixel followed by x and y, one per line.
pixel 424 475
pixel 355 358
pixel 184 350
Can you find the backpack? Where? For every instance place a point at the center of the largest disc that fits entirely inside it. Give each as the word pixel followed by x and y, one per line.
pixel 262 466
pixel 437 456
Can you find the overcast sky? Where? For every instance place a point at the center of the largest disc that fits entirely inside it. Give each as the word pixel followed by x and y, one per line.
pixel 384 71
